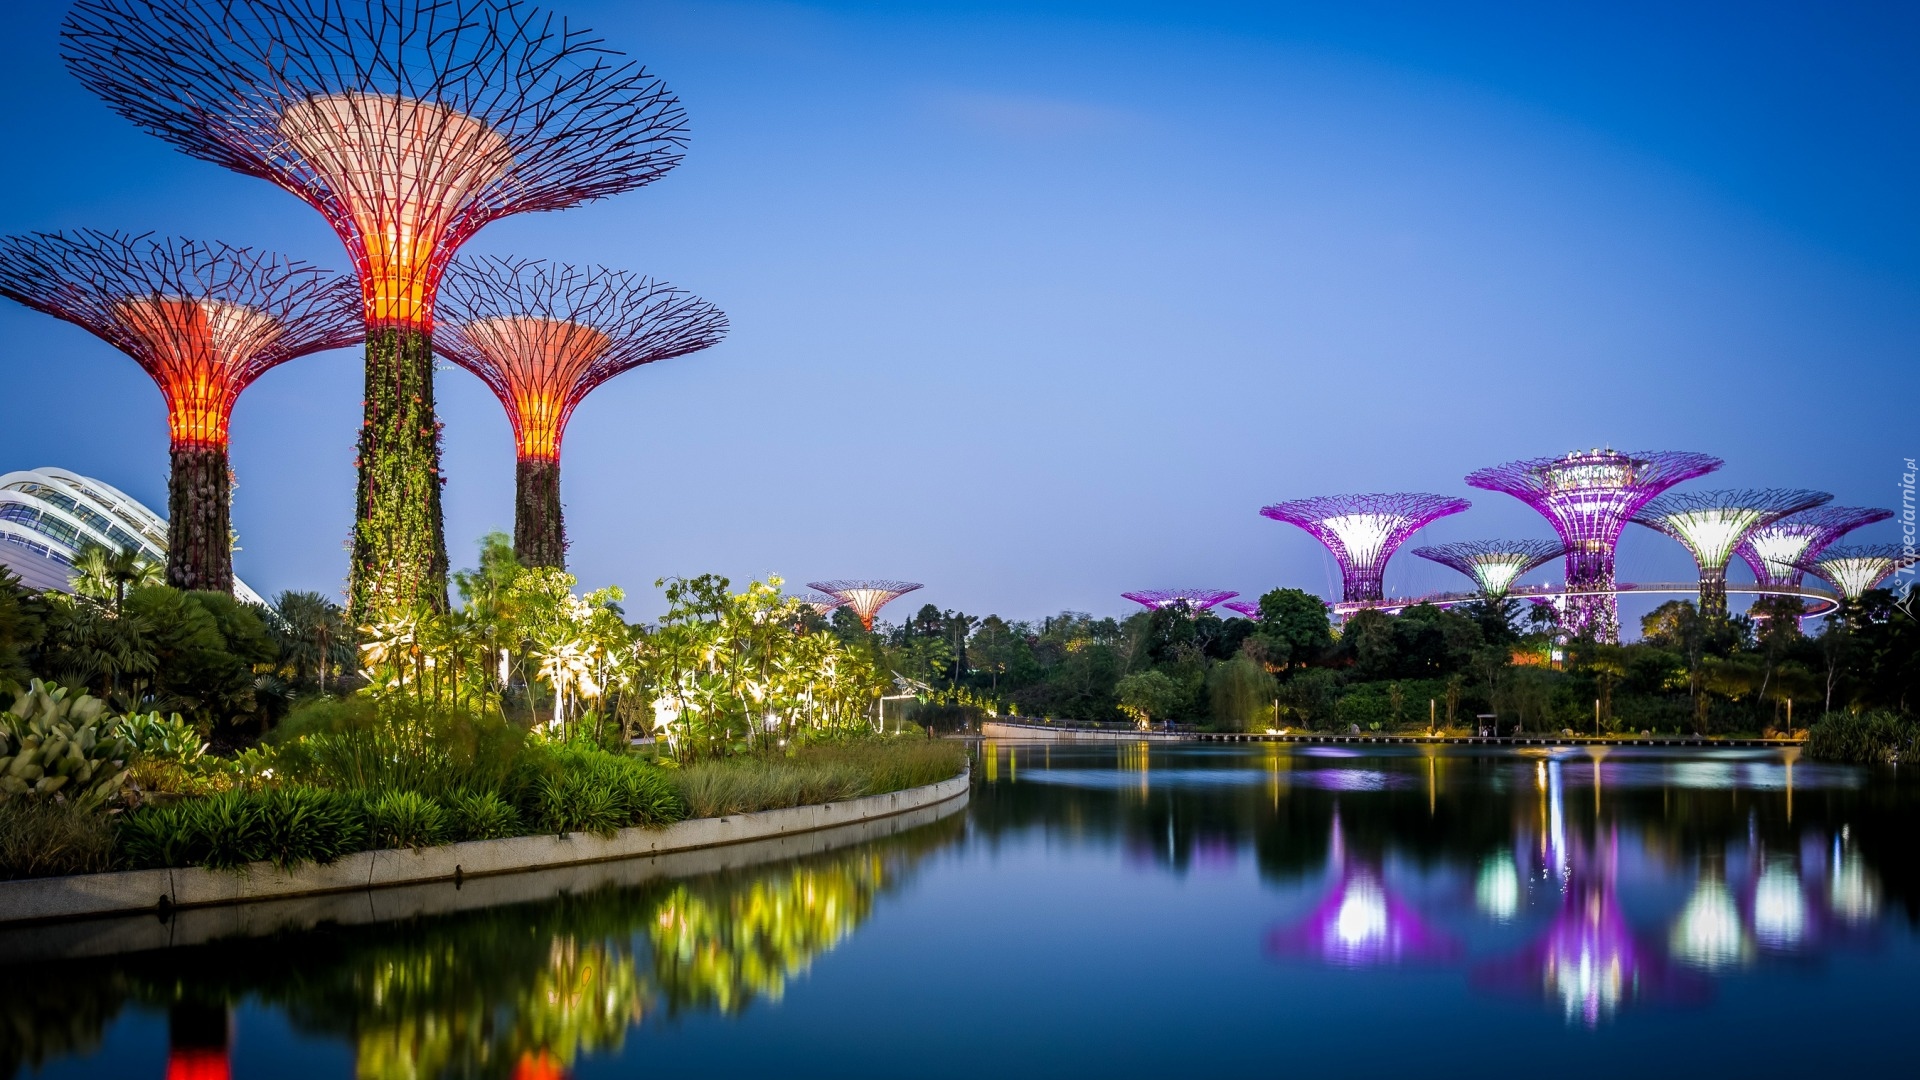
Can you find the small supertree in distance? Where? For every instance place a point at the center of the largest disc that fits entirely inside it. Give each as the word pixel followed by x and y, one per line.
pixel 1363 531
pixel 1249 609
pixel 1494 565
pixel 1776 551
pixel 409 124
pixel 1193 601
pixel 866 598
pixel 1854 570
pixel 1710 523
pixel 541 336
pixel 821 602
pixel 1589 496
pixel 205 321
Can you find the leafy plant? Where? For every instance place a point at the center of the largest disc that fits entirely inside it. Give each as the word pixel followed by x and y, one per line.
pixel 1873 738
pixel 55 744
pixel 41 838
pixel 481 815
pixel 173 739
pixel 406 819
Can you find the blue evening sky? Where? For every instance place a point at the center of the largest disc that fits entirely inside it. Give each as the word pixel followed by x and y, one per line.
pixel 1039 302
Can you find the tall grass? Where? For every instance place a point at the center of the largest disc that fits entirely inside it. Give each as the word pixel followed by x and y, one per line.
pixel 44 838
pixel 358 744
pixel 816 774
pixel 1863 739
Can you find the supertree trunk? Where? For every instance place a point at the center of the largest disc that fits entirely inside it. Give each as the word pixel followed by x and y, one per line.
pixel 539 532
pixel 1713 593
pixel 199 534
pixel 399 545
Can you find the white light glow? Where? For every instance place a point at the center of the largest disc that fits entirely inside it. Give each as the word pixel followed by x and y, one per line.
pixel 1498 891
pixel 1362 919
pixel 1712 532
pixel 1364 536
pixel 1779 550
pixel 1708 933
pixel 1779 910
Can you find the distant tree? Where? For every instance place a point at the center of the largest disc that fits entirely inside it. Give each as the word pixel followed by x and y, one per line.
pixel 1145 695
pixel 1293 628
pixel 22 627
pixel 1242 693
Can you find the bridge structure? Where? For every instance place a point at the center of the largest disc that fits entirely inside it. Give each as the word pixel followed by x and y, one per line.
pixel 1819 601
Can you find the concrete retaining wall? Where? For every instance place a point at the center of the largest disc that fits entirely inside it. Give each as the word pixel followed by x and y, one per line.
pixel 127 892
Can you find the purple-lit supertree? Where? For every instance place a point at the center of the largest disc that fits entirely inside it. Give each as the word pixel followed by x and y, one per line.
pixel 1589 496
pixel 1194 601
pixel 865 598
pixel 1777 550
pixel 205 321
pixel 1710 523
pixel 1247 608
pixel 1494 565
pixel 542 336
pixel 1854 570
pixel 409 125
pixel 1363 531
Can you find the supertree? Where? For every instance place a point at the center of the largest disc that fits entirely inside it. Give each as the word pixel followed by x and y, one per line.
pixel 866 598
pixel 1363 531
pixel 205 321
pixel 1247 608
pixel 1193 600
pixel 1776 551
pixel 1589 496
pixel 1854 570
pixel 408 124
pixel 1710 523
pixel 1494 565
pixel 821 602
pixel 542 335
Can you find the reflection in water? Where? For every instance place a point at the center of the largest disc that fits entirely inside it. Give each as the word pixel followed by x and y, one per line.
pixel 1708 933
pixel 1779 906
pixel 1853 893
pixel 1360 924
pixel 1497 892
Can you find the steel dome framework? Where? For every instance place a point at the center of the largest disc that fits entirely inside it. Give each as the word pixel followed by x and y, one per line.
pixel 1710 524
pixel 1494 565
pixel 1777 551
pixel 1855 570
pixel 1363 531
pixel 865 598
pixel 1193 600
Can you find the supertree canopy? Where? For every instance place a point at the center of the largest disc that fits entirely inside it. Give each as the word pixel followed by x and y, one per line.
pixel 821 602
pixel 1589 496
pixel 1776 551
pixel 205 321
pixel 1854 570
pixel 1494 565
pixel 866 598
pixel 542 336
pixel 1194 600
pixel 1363 531
pixel 409 124
pixel 1246 608
pixel 1710 523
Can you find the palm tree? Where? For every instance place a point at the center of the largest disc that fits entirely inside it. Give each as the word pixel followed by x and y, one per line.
pixel 312 633
pixel 104 574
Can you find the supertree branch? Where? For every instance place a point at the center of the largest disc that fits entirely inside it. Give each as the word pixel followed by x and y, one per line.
pixel 1494 565
pixel 1589 496
pixel 204 321
pixel 1247 608
pixel 542 336
pixel 1363 531
pixel 865 598
pixel 1776 551
pixel 1710 523
pixel 1854 570
pixel 1192 600
pixel 821 602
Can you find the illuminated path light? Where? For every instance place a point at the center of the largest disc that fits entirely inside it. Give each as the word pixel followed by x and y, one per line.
pixel 542 336
pixel 866 598
pixel 1192 600
pixel 1710 524
pixel 1247 608
pixel 1776 550
pixel 205 321
pixel 1589 496
pixel 409 124
pixel 1494 565
pixel 1363 531
pixel 1854 570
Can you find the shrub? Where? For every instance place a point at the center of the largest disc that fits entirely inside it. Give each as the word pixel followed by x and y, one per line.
pixel 481 815
pixel 43 838
pixel 153 738
pixel 582 789
pixel 833 772
pixel 406 819
pixel 1873 738
pixel 56 744
pixel 394 745
pixel 285 826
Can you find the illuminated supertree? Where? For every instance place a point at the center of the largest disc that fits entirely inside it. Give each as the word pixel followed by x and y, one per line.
pixel 409 124
pixel 1710 523
pixel 542 336
pixel 1494 565
pixel 1589 496
pixel 1192 600
pixel 1777 550
pixel 866 598
pixel 1246 608
pixel 1854 570
pixel 1363 531
pixel 205 321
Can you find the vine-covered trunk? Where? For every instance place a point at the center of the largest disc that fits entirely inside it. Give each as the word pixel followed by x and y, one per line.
pixel 1713 593
pixel 399 547
pixel 539 533
pixel 199 533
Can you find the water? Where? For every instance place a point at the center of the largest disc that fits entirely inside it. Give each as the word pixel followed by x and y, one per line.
pixel 1126 910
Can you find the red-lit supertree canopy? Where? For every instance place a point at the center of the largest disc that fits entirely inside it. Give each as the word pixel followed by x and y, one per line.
pixel 1854 570
pixel 1710 523
pixel 1494 565
pixel 1363 531
pixel 1589 496
pixel 1190 600
pixel 865 598
pixel 205 321
pixel 1247 608
pixel 542 335
pixel 409 124
pixel 1776 551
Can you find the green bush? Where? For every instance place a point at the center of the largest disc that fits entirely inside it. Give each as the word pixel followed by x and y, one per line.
pixel 58 744
pixel 481 815
pixel 1873 738
pixel 833 772
pixel 44 838
pixel 400 819
pixel 394 745
pixel 285 826
pixel 582 789
pixel 151 737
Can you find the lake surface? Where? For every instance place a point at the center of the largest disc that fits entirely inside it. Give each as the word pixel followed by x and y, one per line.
pixel 1128 910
